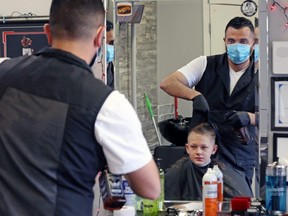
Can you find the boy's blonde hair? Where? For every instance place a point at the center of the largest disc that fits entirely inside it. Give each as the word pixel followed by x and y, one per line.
pixel 204 129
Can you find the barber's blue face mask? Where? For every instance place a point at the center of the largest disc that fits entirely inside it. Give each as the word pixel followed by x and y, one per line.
pixel 256 52
pixel 238 53
pixel 109 53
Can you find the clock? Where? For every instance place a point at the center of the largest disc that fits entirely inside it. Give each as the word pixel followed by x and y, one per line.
pixel 249 8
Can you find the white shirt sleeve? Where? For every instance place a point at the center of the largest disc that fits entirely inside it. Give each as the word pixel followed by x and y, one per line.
pixel 118 130
pixel 193 71
pixel 3 59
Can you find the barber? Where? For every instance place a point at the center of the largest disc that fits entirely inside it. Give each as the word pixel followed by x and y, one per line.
pixel 225 84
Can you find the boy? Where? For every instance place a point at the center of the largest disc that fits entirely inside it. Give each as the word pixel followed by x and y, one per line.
pixel 183 181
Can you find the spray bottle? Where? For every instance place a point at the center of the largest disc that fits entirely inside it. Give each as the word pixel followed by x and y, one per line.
pixel 219 176
pixel 209 184
pixel 276 188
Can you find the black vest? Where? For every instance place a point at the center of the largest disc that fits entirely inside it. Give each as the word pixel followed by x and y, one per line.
pixel 215 86
pixel 49 155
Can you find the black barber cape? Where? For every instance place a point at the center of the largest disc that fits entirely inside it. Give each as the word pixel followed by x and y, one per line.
pixel 183 181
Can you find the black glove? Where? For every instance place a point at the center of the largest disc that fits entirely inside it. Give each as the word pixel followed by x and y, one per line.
pixel 238 119
pixel 200 111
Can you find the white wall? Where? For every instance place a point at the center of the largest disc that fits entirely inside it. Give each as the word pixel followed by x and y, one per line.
pixel 276 32
pixel 180 39
pixel 272 28
pixel 37 7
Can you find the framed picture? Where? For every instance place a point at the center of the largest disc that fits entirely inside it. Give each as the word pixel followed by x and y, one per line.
pixel 279 57
pixel 22 37
pixel 280 144
pixel 279 114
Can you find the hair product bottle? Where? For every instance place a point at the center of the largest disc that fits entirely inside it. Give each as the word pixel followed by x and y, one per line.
pixel 111 190
pixel 209 184
pixel 219 176
pixel 276 188
pixel 129 194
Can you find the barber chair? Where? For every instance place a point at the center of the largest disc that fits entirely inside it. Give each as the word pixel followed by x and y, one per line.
pixel 169 155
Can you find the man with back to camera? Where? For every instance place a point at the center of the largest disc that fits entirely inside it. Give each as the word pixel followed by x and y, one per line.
pixel 59 125
pixel 110 53
pixel 227 82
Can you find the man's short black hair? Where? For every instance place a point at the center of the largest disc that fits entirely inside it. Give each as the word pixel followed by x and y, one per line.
pixel 109 26
pixel 240 22
pixel 256 22
pixel 75 19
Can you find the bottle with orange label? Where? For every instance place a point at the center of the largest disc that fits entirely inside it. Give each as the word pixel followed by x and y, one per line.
pixel 219 176
pixel 210 202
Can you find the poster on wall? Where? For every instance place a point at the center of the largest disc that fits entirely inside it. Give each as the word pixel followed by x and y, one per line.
pixel 279 57
pixel 22 37
pixel 279 117
pixel 280 152
pixel 134 16
pixel 280 146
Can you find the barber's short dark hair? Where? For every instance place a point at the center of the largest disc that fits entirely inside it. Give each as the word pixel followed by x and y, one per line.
pixel 109 26
pixel 256 22
pixel 240 22
pixel 75 19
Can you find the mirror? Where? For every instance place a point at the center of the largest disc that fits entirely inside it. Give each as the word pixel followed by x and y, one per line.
pixel 170 34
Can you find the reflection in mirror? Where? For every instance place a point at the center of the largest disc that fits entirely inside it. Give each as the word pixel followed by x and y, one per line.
pixel 124 9
pixel 259 176
pixel 164 42
pixel 224 95
pixel 110 53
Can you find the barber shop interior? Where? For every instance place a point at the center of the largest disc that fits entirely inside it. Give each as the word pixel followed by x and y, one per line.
pixel 203 83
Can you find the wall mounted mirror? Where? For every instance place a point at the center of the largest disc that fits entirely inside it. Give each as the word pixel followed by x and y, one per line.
pixel 170 34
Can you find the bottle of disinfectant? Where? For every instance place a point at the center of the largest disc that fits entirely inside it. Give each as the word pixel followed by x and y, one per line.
pixel 219 176
pixel 162 181
pixel 210 202
pixel 276 188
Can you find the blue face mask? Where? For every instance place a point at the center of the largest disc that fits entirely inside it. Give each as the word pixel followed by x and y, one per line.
pixel 256 52
pixel 109 53
pixel 238 53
